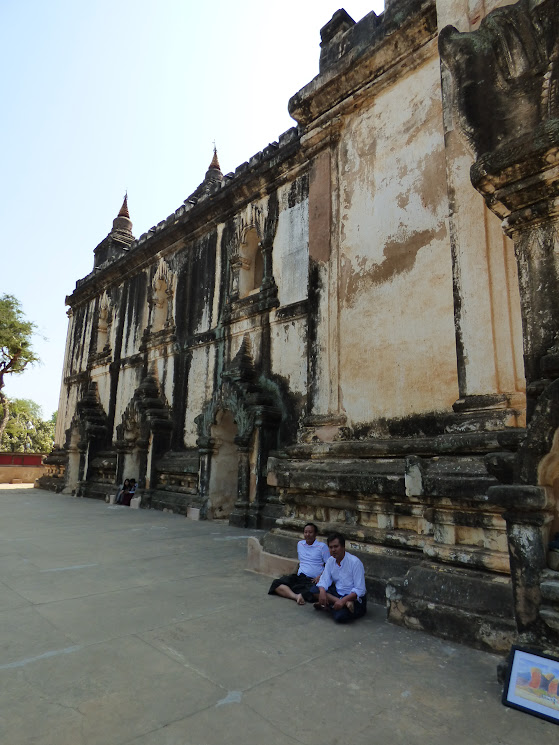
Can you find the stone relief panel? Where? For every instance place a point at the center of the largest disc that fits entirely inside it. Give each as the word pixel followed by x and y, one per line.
pixel 104 324
pixel 161 297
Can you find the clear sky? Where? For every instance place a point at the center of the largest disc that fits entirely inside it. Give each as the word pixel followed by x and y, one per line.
pixel 113 95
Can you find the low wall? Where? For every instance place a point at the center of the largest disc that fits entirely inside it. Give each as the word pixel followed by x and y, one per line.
pixel 262 562
pixel 20 474
pixel 24 468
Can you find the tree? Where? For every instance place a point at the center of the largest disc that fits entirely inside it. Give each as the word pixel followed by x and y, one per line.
pixel 25 430
pixel 15 347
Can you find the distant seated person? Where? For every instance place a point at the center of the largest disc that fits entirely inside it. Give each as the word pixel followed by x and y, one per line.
pixel 341 589
pixel 124 488
pixel 127 494
pixel 312 556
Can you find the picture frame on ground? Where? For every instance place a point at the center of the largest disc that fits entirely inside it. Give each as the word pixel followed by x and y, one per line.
pixel 532 684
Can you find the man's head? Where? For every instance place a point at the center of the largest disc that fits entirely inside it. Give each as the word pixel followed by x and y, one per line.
pixel 310 531
pixel 336 544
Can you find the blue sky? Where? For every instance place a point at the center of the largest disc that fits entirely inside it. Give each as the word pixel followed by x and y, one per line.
pixel 106 96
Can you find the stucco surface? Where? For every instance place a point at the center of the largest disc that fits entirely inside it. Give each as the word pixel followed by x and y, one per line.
pixel 395 270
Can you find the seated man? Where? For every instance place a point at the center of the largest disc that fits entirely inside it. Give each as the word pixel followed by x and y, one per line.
pixel 341 589
pixel 312 556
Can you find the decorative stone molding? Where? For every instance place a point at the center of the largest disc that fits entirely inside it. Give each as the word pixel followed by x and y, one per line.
pixel 257 413
pixel 245 394
pixel 146 413
pixel 249 295
pixel 146 425
pixel 90 419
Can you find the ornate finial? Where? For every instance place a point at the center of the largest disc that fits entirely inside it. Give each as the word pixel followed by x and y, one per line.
pixel 215 162
pixel 122 221
pixel 124 209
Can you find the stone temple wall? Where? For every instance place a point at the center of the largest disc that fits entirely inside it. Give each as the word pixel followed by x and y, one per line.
pixel 344 330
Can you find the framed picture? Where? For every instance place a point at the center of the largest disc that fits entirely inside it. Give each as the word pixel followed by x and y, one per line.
pixel 532 684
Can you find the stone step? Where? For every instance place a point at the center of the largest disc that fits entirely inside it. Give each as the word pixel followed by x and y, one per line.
pixel 550 587
pixel 550 616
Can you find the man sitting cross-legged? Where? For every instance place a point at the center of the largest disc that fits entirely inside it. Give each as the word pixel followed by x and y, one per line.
pixel 341 588
pixel 312 556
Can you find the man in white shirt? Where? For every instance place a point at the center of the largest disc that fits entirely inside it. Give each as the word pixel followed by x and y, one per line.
pixel 341 588
pixel 312 555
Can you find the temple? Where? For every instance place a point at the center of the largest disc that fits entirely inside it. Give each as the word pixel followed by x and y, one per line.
pixel 358 326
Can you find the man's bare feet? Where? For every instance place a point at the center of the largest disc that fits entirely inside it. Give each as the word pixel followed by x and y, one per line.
pixel 350 606
pixel 319 606
pixel 300 599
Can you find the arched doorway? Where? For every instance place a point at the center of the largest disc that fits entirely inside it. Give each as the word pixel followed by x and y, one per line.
pixel 224 466
pixel 237 429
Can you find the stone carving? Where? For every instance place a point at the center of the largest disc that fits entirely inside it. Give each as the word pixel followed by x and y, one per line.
pixel 162 291
pixel 254 218
pixel 90 418
pixel 243 394
pixel 505 72
pixel 147 412
pixel 105 320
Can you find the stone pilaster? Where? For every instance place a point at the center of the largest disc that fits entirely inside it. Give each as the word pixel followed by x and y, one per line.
pixel 527 515
pixel 205 449
pixel 240 513
pixel 323 348
pixel 519 183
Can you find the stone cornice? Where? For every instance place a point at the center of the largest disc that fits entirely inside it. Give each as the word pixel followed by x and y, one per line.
pixel 520 180
pixel 365 64
pixel 261 175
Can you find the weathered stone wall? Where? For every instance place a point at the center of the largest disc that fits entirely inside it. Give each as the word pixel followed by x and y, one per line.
pixel 395 290
pixel 334 332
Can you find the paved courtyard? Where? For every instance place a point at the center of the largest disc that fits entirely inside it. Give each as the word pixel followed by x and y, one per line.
pixel 141 627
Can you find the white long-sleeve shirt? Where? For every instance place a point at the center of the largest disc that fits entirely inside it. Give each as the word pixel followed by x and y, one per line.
pixel 312 558
pixel 349 576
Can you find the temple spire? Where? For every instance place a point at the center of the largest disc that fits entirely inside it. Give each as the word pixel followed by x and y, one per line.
pixel 122 221
pixel 118 241
pixel 215 162
pixel 124 209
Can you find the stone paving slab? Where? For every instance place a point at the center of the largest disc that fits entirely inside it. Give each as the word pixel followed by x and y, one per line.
pixel 135 627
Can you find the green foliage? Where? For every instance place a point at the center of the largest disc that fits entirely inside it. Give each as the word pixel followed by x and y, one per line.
pixel 25 430
pixel 15 348
pixel 15 338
